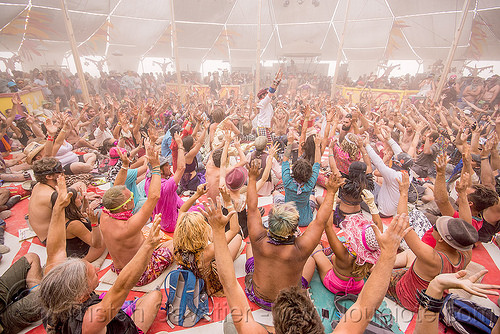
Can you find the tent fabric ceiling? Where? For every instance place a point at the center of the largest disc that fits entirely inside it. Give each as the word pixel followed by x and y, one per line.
pixel 227 29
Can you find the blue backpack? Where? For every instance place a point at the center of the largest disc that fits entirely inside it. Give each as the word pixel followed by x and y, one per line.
pixel 467 317
pixel 187 299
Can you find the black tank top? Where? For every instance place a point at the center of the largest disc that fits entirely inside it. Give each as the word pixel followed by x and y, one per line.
pixel 121 323
pixel 76 247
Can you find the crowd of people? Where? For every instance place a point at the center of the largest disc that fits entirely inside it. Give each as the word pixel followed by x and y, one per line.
pixel 194 166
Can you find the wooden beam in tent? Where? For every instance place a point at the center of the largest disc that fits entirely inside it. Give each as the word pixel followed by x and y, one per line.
pixel 176 51
pixel 451 53
pixel 74 51
pixel 257 61
pixel 339 51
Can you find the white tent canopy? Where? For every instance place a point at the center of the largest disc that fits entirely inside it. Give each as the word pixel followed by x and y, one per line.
pixel 126 31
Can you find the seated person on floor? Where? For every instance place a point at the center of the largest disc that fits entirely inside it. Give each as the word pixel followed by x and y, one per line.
pixel 192 250
pixel 19 310
pixel 268 186
pixel 83 235
pixel 388 195
pixel 351 195
pixel 67 290
pixel 353 258
pixel 235 179
pixel 471 201
pixel 298 188
pixel 278 249
pixel 192 176
pixel 71 162
pixel 293 310
pixel 169 202
pixel 46 171
pixel 454 239
pixel 121 228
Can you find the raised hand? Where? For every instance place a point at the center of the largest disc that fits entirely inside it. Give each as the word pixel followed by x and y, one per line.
pixel 462 184
pixel 58 100
pixel 201 189
pixel 273 149
pixel 389 240
pixel 458 281
pixel 154 236
pixel 334 183
pixel 213 214
pixel 63 197
pixel 16 99
pixel 124 158
pixel 404 184
pixel 51 128
pixel 441 162
pixel 254 169
pixel 226 196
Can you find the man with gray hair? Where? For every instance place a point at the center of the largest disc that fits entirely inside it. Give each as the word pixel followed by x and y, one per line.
pixel 278 249
pixel 122 229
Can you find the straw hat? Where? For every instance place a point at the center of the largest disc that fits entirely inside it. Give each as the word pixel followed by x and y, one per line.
pixel 32 150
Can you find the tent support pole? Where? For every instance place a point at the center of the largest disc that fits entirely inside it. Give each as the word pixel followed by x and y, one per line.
pixel 257 61
pixel 339 51
pixel 451 53
pixel 74 51
pixel 176 51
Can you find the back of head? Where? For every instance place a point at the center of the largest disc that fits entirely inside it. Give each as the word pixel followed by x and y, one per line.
pixel 294 313
pixel 403 161
pixel 457 233
pixel 349 145
pixel 283 220
pixel 72 211
pixel 302 171
pixel 310 148
pixel 482 197
pixel 45 166
pixel 187 142
pixel 218 115
pixel 113 197
pixel 216 157
pixel 260 143
pixel 191 233
pixel 62 289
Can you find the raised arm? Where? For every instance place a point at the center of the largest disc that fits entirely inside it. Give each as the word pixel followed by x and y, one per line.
pixel 56 236
pixel 375 288
pixel 428 321
pixel 121 177
pixel 181 160
pixel 99 315
pixel 440 191
pixel 308 241
pixel 200 191
pixel 236 299
pixel 255 228
pixel 269 164
pixel 461 187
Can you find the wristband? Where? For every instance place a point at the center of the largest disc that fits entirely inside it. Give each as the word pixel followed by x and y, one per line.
pixel 272 90
pixel 62 130
pixel 430 304
pixel 156 167
pixel 50 138
pixel 156 173
pixel 123 167
pixel 95 225
pixel 485 158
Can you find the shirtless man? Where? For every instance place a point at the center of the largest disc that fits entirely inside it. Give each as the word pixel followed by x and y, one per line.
pixel 491 90
pixel 46 171
pixel 279 122
pixel 277 251
pixel 121 230
pixel 473 91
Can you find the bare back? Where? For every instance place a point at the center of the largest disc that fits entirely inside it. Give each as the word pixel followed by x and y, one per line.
pixel 276 267
pixel 40 210
pixel 121 247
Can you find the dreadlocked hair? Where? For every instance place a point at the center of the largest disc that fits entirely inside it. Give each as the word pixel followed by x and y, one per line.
pixel 349 145
pixel 356 181
pixel 190 239
pixel 361 270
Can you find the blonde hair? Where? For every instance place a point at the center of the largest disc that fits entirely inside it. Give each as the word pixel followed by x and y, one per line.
pixel 361 271
pixel 349 145
pixel 191 232
pixel 283 219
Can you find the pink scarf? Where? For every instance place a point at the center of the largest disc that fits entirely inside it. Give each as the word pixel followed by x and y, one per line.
pixel 125 215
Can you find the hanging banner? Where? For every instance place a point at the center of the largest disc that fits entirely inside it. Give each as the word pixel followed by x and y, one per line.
pixel 379 95
pixel 31 99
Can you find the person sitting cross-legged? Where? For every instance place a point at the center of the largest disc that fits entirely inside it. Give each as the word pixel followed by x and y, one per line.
pixel 67 289
pixel 293 310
